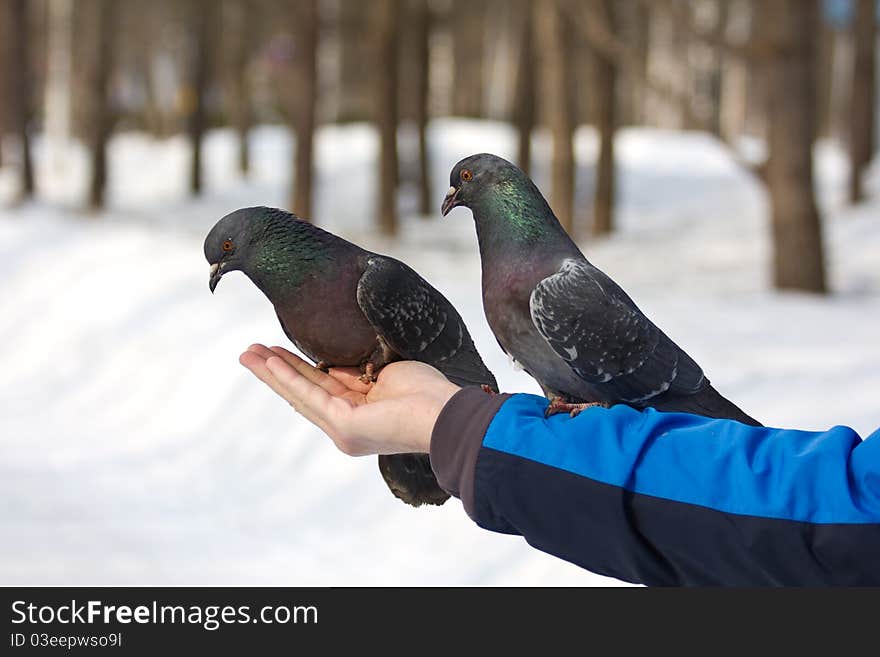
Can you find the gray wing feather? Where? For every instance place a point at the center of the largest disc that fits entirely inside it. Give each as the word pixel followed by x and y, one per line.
pixel 592 324
pixel 418 322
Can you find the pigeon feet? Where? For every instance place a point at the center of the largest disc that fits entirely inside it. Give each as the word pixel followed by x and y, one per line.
pixel 368 376
pixel 559 405
pixel 488 390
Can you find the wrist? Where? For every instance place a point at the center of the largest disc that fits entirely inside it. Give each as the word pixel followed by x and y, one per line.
pixel 439 399
pixel 457 438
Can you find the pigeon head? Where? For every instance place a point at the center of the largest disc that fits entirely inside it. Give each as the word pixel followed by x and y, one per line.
pixel 477 177
pixel 262 242
pixel 505 203
pixel 231 239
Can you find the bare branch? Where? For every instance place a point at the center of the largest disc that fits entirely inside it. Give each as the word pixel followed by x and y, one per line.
pixel 598 34
pixel 753 49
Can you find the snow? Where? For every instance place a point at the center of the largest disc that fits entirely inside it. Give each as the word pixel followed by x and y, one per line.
pixel 135 449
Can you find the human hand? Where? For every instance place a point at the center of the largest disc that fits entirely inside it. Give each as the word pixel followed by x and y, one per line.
pixel 396 414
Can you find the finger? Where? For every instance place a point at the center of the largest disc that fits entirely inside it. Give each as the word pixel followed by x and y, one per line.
pixel 312 373
pixel 261 350
pixel 309 399
pixel 257 365
pixel 289 357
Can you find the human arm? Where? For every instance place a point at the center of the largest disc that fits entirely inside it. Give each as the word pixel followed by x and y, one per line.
pixel 654 498
pixel 669 498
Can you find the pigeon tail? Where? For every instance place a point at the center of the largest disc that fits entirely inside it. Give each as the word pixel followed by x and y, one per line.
pixel 708 402
pixel 411 479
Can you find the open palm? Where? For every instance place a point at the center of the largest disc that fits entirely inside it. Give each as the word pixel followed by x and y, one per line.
pixel 395 414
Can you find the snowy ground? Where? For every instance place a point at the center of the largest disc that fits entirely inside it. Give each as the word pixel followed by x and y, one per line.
pixel 135 449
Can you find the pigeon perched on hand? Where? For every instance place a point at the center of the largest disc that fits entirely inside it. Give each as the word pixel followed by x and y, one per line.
pixel 343 306
pixel 568 324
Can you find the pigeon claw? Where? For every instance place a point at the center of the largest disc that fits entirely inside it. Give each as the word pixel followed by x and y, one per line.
pixel 368 376
pixel 488 389
pixel 323 365
pixel 559 405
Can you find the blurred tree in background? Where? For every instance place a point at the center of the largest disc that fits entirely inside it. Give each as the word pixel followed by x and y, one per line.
pixel 863 102
pixel 17 85
pixel 767 78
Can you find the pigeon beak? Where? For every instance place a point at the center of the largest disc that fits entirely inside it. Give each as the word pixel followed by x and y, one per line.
pixel 451 200
pixel 214 278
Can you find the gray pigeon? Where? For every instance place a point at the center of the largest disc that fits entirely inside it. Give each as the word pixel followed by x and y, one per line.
pixel 343 306
pixel 568 324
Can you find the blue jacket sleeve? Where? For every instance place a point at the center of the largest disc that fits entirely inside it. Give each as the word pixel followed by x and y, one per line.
pixel 667 498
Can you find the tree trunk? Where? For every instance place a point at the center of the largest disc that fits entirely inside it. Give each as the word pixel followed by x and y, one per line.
pixel 354 93
pixel 101 119
pixel 5 70
pixel 862 99
pixel 58 79
pixel 825 38
pixel 716 71
pixel 422 38
pixel 524 99
pixel 681 47
pixel 19 82
pixel 555 56
pixel 468 24
pixel 201 36
pixel 642 37
pixel 240 29
pixel 791 99
pixel 306 76
pixel 734 77
pixel 386 12
pixel 606 123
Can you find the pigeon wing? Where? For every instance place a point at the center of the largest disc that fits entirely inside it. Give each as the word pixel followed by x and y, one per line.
pixel 599 332
pixel 418 322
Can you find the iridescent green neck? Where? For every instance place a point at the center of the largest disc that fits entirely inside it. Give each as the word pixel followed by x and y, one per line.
pixel 514 212
pixel 286 256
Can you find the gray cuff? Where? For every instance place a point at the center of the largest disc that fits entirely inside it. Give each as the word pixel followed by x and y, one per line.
pixel 457 438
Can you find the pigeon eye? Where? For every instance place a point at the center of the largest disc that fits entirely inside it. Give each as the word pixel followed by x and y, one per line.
pixel 466 175
pixel 227 246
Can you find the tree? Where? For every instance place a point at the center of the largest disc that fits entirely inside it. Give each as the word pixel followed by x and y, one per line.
pixel 201 35
pixel 306 85
pixel 19 99
pixel 355 97
pixel 468 25
pixel 421 26
pixel 605 69
pixel 240 18
pixel 524 97
pixel 552 37
pixel 788 27
pixel 57 97
pixel 826 36
pixel 781 48
pixel 863 96
pixel 386 116
pixel 102 18
pixel 5 59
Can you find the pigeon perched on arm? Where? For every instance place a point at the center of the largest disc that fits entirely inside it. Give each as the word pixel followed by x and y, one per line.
pixel 343 306
pixel 566 322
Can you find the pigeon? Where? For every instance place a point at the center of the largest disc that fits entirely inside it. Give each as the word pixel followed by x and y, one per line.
pixel 568 325
pixel 344 306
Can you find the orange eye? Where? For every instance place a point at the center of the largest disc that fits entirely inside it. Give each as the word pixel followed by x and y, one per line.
pixel 466 175
pixel 227 245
